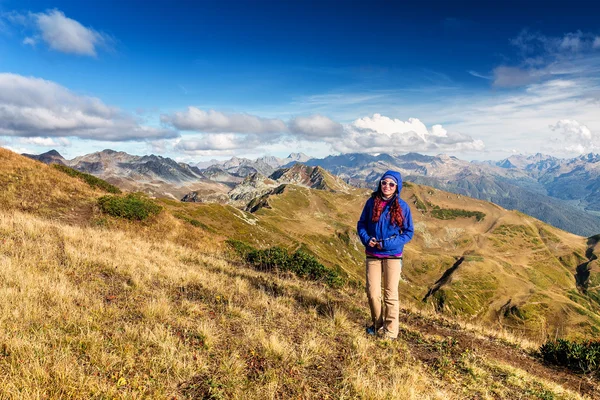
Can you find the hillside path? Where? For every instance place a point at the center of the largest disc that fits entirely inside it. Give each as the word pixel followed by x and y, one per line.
pixel 496 350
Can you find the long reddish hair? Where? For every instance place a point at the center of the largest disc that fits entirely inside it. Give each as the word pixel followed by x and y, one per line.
pixel 396 216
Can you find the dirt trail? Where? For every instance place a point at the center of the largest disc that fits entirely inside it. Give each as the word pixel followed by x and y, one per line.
pixel 496 350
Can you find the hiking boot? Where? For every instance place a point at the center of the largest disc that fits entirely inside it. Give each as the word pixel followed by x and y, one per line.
pixel 386 335
pixel 371 330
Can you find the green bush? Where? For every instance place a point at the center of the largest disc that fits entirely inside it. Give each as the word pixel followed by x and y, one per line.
pixel 89 179
pixel 240 247
pixel 300 262
pixel 419 203
pixel 193 222
pixel 582 356
pixel 133 206
pixel 453 213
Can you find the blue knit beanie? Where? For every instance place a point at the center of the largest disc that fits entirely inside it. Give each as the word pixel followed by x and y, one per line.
pixel 389 176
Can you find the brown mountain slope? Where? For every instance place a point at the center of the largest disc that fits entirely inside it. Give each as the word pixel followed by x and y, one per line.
pixel 37 188
pixel 155 309
pixel 516 272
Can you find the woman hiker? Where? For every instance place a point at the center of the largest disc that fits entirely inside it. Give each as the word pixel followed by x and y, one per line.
pixel 385 226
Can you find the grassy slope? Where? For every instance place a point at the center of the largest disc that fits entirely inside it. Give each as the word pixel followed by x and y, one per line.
pixel 508 255
pixel 157 309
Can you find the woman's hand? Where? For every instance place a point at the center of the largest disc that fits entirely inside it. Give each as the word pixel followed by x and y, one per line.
pixel 372 242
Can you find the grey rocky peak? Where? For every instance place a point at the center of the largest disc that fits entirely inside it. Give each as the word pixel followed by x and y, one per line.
pixel 312 177
pixel 49 157
pixel 254 185
pixel 206 164
pixel 272 161
pixel 298 157
pixel 266 165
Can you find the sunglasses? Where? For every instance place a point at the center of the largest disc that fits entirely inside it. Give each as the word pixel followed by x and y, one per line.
pixel 390 184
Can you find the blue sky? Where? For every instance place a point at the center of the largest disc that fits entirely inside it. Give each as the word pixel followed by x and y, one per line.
pixel 195 80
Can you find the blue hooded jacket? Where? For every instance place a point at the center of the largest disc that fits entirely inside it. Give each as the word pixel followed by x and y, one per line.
pixel 392 237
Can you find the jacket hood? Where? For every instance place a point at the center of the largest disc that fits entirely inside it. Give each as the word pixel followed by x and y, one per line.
pixel 396 175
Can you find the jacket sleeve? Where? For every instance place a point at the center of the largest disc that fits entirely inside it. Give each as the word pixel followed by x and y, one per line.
pixel 361 226
pixel 406 233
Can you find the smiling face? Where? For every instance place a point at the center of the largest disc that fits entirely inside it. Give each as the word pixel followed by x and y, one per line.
pixel 388 187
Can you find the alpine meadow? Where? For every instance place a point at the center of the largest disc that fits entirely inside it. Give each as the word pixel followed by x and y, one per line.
pixel 202 300
pixel 299 200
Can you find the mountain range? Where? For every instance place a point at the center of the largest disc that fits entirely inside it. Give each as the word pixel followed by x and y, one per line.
pixel 154 175
pixel 562 192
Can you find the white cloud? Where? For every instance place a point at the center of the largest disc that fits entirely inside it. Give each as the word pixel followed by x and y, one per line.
pixel 315 127
pixel 512 77
pixel 569 43
pixel 520 118
pixel 46 141
pixel 544 57
pixel 32 107
pixel 214 144
pixel 219 141
pixel 217 144
pixel 59 32
pixel 231 131
pixel 478 75
pixel 195 119
pixel 579 138
pixel 372 134
pixel 67 35
pixel 381 134
pixel 29 41
pixel 18 150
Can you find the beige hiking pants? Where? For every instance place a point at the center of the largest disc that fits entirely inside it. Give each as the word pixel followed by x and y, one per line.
pixel 384 314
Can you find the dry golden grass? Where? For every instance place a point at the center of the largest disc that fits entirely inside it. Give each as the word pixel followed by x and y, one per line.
pixel 91 312
pixel 34 187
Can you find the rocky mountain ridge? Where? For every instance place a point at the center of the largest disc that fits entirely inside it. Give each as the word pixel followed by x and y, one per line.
pixel 562 192
pixel 576 179
pixel 156 175
pixel 243 167
pixel 253 192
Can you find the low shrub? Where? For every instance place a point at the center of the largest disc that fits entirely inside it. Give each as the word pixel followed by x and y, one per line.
pixel 344 237
pixel 300 262
pixel 581 356
pixel 453 213
pixel 89 179
pixel 419 203
pixel 133 206
pixel 193 222
pixel 240 247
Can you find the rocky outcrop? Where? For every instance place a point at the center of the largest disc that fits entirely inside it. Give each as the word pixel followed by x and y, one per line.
pixel 192 197
pixel 263 201
pixel 253 186
pixel 254 192
pixel 311 177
